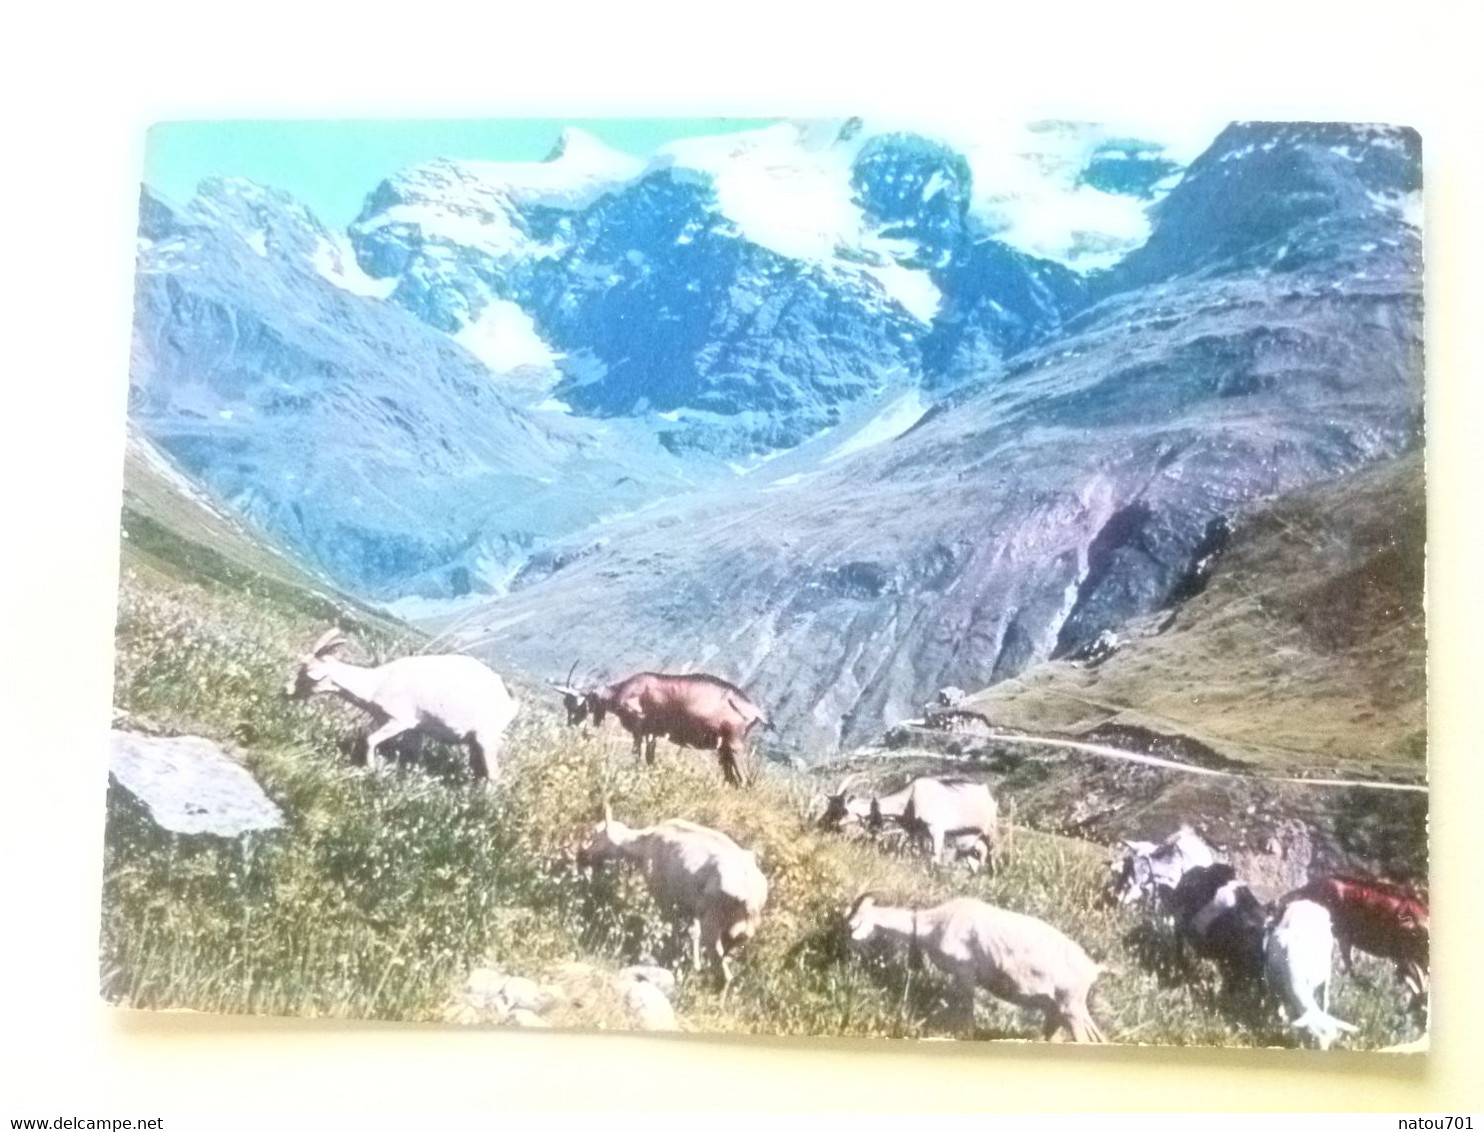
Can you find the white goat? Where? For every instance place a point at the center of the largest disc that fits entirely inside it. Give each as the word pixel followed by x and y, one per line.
pixel 451 697
pixel 699 875
pixel 1015 957
pixel 963 817
pixel 1296 960
pixel 946 813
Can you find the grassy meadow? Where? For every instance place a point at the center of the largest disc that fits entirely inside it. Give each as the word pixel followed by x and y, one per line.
pixel 384 890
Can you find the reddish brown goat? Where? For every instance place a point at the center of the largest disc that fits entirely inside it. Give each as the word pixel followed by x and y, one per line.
pixel 1379 917
pixel 697 711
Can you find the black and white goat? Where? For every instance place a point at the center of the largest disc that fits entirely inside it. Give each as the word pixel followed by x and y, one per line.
pixel 1218 918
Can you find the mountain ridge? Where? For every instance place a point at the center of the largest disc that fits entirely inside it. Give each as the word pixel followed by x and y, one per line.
pixel 936 502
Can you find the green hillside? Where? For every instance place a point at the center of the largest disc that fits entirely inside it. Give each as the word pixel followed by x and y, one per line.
pixel 383 891
pixel 1305 653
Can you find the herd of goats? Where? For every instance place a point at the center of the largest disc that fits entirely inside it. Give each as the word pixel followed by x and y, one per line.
pixel 717 890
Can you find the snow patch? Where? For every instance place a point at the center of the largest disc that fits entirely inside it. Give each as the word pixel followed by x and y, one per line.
pixel 788 481
pixel 258 242
pixel 505 339
pixel 787 188
pixel 1407 205
pixel 913 291
pixel 781 196
pixel 893 420
pixel 414 609
pixel 334 260
pixel 1026 181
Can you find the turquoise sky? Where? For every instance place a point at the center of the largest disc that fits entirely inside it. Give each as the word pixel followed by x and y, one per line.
pixel 331 165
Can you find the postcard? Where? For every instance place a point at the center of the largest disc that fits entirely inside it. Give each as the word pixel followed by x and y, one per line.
pixel 899 579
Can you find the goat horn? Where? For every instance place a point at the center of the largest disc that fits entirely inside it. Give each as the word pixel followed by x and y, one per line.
pixel 327 640
pixel 570 672
pixel 607 811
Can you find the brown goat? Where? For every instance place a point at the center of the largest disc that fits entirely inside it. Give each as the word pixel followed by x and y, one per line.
pixel 697 711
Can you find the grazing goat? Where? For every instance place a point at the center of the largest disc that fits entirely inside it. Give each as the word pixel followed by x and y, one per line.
pixel 697 711
pixel 962 812
pixel 1296 960
pixel 945 813
pixel 1381 918
pixel 452 697
pixel 845 810
pixel 697 874
pixel 1150 871
pixel 1220 919
pixel 850 814
pixel 1017 958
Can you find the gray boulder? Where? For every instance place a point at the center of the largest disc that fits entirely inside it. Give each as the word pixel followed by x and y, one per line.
pixel 646 999
pixel 190 785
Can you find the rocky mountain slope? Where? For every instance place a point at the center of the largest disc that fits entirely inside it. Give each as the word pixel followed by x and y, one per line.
pixel 494 355
pixel 266 363
pixel 842 411
pixel 1304 651
pixel 1024 515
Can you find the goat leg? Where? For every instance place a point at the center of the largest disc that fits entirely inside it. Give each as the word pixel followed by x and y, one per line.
pixel 388 730
pixel 712 945
pixel 729 770
pixel 1345 956
pixel 478 763
pixel 963 1002
pixel 694 932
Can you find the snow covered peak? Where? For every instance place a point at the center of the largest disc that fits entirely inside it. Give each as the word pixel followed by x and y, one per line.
pixel 1045 188
pixel 486 205
pixel 789 198
pixel 579 150
pixel 578 170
